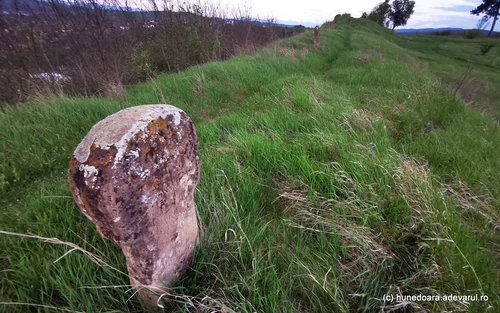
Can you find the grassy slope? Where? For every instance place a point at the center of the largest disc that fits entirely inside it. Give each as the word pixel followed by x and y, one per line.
pixel 329 178
pixel 449 58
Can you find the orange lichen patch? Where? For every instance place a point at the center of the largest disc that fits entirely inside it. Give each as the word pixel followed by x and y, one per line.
pixel 99 157
pixel 93 159
pixel 156 184
pixel 136 136
pixel 156 126
pixel 109 157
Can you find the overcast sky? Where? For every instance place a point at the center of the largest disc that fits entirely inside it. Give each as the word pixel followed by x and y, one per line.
pixel 428 13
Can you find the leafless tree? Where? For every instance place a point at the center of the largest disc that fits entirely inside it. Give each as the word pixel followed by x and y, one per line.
pixel 95 47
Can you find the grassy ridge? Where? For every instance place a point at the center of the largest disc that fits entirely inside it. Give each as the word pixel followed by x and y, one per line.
pixel 329 178
pixel 450 57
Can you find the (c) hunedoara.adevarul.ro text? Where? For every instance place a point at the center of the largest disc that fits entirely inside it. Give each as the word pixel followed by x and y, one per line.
pixel 420 297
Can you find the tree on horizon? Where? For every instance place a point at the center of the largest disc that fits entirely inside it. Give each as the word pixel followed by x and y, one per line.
pixel 383 10
pixel 401 12
pixel 490 8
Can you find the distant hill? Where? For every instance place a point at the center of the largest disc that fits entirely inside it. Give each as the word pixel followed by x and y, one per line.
pixel 36 6
pixel 405 31
pixel 455 31
pixel 20 5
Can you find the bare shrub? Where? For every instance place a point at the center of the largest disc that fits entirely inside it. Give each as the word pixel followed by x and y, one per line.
pixel 486 47
pixel 465 90
pixel 105 45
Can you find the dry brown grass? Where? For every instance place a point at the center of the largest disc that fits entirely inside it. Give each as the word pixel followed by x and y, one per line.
pixel 475 205
pixel 359 119
pixel 366 249
pixel 94 257
pixel 290 53
pixel 366 57
pixel 465 89
pixel 414 182
pixel 313 212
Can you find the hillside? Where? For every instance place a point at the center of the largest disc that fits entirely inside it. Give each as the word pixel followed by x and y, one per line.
pixel 330 177
pixel 431 31
pixel 462 67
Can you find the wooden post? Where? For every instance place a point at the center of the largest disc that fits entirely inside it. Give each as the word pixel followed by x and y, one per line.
pixel 316 36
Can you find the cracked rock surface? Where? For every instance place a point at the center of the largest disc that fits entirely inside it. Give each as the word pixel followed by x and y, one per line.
pixel 134 176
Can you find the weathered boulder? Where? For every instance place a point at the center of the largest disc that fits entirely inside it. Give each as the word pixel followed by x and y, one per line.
pixel 134 176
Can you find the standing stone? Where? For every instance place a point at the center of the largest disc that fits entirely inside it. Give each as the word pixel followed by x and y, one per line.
pixel 316 36
pixel 134 176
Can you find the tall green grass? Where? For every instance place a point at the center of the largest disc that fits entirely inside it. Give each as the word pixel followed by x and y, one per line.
pixel 450 58
pixel 329 177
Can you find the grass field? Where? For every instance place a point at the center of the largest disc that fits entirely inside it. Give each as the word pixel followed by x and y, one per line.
pixel 450 58
pixel 329 178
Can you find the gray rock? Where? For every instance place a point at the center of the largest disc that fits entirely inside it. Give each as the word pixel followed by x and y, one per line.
pixel 134 176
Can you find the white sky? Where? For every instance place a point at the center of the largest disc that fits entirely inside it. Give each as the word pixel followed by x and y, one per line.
pixel 428 13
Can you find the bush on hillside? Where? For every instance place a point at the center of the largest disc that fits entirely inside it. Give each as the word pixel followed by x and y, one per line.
pixel 446 32
pixel 486 47
pixel 298 29
pixel 472 33
pixel 344 18
pixel 373 16
pixel 340 19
